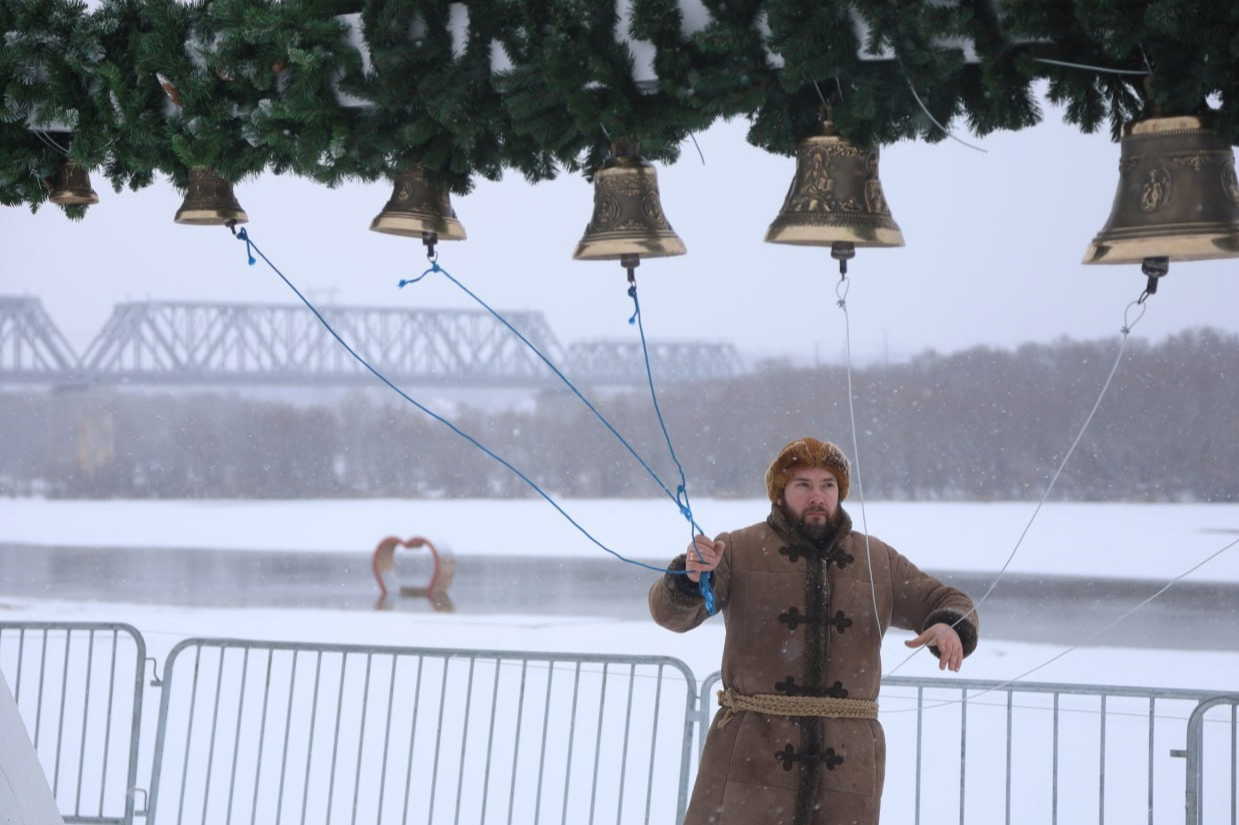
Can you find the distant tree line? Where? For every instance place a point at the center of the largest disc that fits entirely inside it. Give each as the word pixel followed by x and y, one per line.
pixel 981 424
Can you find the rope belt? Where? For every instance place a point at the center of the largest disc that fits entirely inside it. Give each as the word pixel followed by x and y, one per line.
pixel 779 705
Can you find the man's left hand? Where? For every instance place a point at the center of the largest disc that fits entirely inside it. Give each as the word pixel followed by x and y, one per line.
pixel 943 638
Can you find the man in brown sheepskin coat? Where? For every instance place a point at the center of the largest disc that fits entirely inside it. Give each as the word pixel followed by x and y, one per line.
pixel 805 600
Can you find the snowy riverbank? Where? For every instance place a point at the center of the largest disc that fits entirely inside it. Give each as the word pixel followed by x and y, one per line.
pixel 1125 540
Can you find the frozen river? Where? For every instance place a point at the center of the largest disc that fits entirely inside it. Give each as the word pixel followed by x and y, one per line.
pixel 1024 607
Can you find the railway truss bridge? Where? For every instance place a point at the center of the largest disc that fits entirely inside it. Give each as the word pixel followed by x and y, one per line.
pixel 180 343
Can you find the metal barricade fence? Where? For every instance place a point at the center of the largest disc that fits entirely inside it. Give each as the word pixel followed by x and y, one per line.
pixel 974 751
pixel 258 732
pixel 1213 762
pixel 253 732
pixel 78 688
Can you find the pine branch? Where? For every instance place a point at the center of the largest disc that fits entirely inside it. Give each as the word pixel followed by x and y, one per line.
pixel 258 83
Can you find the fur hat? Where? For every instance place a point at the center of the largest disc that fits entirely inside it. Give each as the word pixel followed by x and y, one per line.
pixel 807 452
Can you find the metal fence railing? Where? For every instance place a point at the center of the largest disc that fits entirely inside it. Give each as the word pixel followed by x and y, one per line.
pixel 972 751
pixel 253 732
pixel 78 688
pixel 1213 762
pixel 266 732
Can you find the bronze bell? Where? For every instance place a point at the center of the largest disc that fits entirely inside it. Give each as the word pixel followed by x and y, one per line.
pixel 73 186
pixel 835 199
pixel 418 210
pixel 209 201
pixel 628 221
pixel 1177 198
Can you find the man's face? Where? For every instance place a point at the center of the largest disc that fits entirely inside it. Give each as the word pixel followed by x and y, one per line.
pixel 810 499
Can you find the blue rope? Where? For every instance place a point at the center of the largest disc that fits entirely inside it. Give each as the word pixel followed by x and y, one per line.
pixel 686 509
pixel 251 248
pixel 680 497
pixel 436 268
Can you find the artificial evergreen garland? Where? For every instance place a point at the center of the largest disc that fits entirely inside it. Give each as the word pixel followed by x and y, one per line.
pixel 136 109
pixel 295 64
pixel 477 87
pixel 1188 50
pixel 49 62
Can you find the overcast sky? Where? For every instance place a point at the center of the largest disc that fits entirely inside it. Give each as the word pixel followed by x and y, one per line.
pixel 994 242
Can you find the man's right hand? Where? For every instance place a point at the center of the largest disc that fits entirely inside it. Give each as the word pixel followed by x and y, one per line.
pixel 711 552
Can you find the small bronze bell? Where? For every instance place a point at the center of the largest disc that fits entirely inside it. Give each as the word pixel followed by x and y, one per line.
pixel 418 210
pixel 209 201
pixel 628 222
pixel 835 199
pixel 1177 198
pixel 73 186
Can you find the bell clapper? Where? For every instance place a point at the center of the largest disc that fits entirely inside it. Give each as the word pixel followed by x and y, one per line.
pixel 430 239
pixel 842 252
pixel 1155 269
pixel 630 262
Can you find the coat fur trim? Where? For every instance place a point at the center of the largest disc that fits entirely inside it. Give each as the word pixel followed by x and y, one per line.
pixel 966 629
pixel 683 591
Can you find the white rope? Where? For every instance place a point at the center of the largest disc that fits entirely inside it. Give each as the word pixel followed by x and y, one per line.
pixel 1098 69
pixel 49 141
pixel 933 119
pixel 841 290
pixel 1128 324
pixel 1085 641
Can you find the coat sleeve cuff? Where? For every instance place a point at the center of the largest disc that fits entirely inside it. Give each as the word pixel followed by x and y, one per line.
pixel 683 591
pixel 966 629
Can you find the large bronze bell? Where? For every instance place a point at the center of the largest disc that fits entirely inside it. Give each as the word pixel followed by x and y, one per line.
pixel 73 186
pixel 418 210
pixel 835 199
pixel 1177 198
pixel 209 201
pixel 628 222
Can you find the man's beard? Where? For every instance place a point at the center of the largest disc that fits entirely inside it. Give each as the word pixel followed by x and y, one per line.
pixel 815 531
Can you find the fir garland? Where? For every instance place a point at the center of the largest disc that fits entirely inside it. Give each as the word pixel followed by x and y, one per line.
pixel 293 54
pixel 574 88
pixel 134 103
pixel 48 63
pixel 258 83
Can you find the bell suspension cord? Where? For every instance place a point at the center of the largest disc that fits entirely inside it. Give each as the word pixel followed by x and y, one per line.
pixel 436 268
pixel 1082 642
pixel 680 497
pixel 252 249
pixel 1128 324
pixel 703 582
pixel 841 290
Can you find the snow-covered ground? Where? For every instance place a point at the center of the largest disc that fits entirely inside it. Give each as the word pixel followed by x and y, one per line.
pixel 1153 542
pixel 1148 541
pixel 163 627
